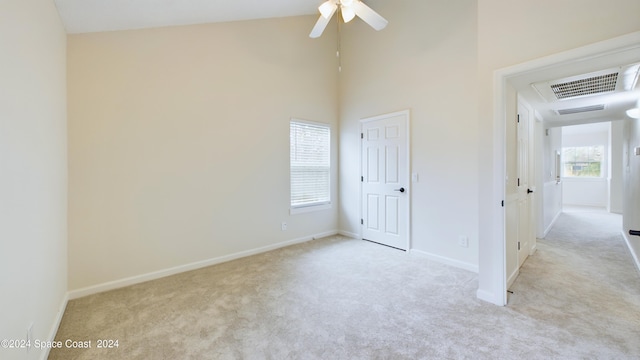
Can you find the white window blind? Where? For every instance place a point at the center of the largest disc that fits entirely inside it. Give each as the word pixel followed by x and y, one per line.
pixel 310 169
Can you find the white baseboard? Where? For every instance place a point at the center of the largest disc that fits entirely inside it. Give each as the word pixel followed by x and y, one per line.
pixel 627 240
pixel 111 285
pixel 512 278
pixel 349 234
pixel 489 297
pixel 56 324
pixel 553 222
pixel 447 261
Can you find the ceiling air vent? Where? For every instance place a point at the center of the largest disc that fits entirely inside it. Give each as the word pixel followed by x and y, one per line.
pixel 590 86
pixel 607 81
pixel 580 109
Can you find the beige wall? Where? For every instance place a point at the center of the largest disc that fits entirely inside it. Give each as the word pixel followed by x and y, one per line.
pixel 513 32
pixel 178 142
pixel 33 172
pixel 425 61
pixel 438 59
pixel 178 136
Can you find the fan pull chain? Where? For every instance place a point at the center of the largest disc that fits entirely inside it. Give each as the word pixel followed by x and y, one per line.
pixel 339 46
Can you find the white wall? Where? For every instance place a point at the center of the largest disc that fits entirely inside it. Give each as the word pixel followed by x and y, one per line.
pixel 616 186
pixel 552 191
pixel 424 61
pixel 510 33
pixel 539 173
pixel 33 172
pixel 587 191
pixel 179 144
pixel 631 179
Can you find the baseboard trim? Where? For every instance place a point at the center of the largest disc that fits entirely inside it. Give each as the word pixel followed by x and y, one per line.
pixel 349 234
pixel 489 297
pixel 447 261
pixel 116 284
pixel 512 278
pixel 627 240
pixel 56 325
pixel 553 222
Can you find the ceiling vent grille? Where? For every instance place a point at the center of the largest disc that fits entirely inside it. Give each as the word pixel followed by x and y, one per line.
pixel 590 86
pixel 580 109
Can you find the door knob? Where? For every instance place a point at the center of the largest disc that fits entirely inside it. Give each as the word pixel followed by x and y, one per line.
pixel 529 191
pixel 634 232
pixel 401 189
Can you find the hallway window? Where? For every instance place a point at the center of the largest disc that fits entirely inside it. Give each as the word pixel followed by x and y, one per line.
pixel 582 161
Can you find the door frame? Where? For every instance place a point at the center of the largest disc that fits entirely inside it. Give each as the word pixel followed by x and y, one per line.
pixel 493 262
pixel 407 120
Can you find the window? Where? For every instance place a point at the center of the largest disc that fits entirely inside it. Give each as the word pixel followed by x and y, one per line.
pixel 310 169
pixel 582 161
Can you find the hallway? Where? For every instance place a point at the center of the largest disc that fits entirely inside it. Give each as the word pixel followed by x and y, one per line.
pixel 582 278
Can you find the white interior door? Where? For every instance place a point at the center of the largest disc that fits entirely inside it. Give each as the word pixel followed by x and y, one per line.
pixel 385 180
pixel 525 211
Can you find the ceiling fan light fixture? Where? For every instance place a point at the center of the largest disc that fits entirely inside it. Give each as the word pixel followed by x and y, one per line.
pixel 327 9
pixel 347 13
pixel 349 10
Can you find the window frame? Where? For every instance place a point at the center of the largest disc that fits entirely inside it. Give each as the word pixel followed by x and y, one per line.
pixel 316 205
pixel 590 157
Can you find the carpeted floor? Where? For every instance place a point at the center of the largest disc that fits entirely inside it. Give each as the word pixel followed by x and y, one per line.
pixel 578 297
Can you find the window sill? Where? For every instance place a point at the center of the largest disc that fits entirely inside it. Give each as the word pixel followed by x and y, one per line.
pixel 310 208
pixel 583 179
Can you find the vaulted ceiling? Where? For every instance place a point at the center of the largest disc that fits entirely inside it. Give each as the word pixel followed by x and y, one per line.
pixel 81 16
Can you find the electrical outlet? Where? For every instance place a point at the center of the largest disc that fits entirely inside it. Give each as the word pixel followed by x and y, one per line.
pixel 283 226
pixel 463 241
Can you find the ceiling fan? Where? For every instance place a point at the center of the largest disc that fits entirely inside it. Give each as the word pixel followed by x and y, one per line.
pixel 349 9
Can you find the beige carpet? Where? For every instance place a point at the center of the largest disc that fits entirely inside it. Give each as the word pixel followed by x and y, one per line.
pixel 578 297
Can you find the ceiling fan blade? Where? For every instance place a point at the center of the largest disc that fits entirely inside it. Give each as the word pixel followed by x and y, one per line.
pixel 319 28
pixel 327 10
pixel 369 16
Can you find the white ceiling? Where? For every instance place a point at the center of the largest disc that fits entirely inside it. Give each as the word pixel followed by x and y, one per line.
pixel 81 16
pixel 601 127
pixel 615 103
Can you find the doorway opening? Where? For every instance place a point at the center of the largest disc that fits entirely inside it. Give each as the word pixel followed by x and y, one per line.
pixel 621 50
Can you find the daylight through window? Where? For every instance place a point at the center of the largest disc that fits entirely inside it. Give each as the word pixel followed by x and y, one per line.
pixel 582 161
pixel 310 170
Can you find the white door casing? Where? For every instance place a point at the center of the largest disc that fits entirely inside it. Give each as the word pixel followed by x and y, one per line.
pixel 385 190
